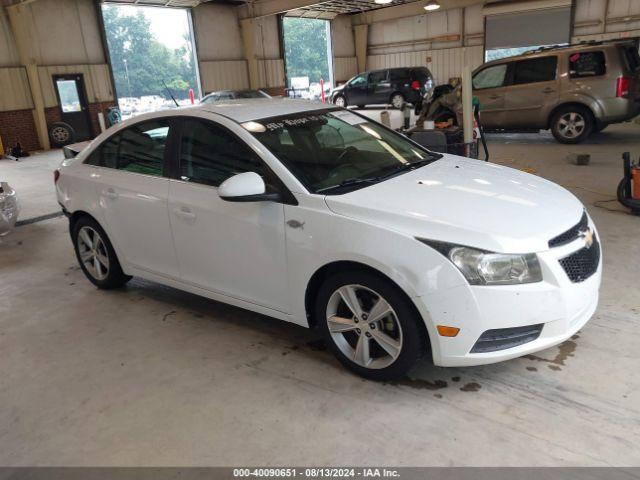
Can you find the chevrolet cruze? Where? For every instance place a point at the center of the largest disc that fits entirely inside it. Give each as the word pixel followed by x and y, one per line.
pixel 319 216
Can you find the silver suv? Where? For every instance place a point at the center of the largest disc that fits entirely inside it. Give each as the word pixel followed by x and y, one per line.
pixel 573 90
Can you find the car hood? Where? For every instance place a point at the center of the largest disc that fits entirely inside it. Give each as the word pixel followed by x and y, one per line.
pixel 467 202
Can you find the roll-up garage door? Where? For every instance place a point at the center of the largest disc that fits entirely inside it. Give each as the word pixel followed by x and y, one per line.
pixel 536 27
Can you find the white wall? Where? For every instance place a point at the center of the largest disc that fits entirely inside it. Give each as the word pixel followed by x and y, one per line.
pixel 344 50
pixel 602 20
pixel 217 32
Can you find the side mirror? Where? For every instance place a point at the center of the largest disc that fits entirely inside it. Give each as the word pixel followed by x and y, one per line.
pixel 246 187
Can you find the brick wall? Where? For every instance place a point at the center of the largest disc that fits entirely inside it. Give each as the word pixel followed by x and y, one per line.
pixel 94 108
pixel 19 126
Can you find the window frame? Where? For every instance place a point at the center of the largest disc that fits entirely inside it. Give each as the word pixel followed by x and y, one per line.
pixel 286 196
pixel 168 150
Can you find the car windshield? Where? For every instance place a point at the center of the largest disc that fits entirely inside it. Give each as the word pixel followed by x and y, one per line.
pixel 336 151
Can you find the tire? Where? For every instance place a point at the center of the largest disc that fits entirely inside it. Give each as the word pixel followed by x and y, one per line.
pixel 61 134
pixel 572 124
pixel 397 100
pixel 383 352
pixel 340 101
pixel 100 264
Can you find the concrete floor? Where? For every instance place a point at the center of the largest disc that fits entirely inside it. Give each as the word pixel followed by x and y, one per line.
pixel 148 375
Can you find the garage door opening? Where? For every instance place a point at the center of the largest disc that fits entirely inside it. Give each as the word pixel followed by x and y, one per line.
pixel 307 53
pixel 152 56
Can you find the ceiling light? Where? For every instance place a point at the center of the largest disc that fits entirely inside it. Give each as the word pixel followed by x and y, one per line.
pixel 383 2
pixel 431 6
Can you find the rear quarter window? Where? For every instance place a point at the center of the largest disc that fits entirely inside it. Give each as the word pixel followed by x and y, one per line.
pixel 633 59
pixel 587 64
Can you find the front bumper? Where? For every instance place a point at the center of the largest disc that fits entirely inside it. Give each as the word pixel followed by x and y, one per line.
pixel 562 306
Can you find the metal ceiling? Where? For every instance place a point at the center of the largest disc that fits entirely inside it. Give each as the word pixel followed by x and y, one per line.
pixel 331 8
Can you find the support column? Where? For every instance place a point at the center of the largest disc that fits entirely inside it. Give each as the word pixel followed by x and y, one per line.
pixel 18 18
pixel 361 33
pixel 248 28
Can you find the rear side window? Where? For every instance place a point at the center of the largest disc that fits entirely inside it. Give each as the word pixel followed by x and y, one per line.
pixel 398 74
pixel 633 60
pixel 491 77
pixel 535 70
pixel 420 74
pixel 587 64
pixel 209 154
pixel 142 146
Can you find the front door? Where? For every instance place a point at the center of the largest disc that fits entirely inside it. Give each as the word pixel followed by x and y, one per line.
pixel 72 100
pixel 232 248
pixel 490 86
pixel 533 92
pixel 356 91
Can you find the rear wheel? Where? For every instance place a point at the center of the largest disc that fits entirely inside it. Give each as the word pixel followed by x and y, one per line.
pixel 96 256
pixel 397 100
pixel 572 124
pixel 369 325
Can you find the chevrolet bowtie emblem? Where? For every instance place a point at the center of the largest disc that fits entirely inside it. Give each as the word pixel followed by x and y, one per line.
pixel 588 237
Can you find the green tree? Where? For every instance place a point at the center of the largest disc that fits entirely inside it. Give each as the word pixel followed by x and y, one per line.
pixel 305 47
pixel 140 62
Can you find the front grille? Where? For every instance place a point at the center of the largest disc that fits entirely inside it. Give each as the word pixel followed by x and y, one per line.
pixel 582 264
pixel 503 338
pixel 571 234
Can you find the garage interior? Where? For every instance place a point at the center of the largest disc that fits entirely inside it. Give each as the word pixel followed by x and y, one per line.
pixel 152 376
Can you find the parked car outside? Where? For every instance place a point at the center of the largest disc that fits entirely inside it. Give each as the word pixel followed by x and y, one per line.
pixel 574 90
pixel 392 86
pixel 232 95
pixel 322 217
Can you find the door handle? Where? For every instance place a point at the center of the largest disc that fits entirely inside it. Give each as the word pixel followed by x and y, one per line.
pixel 110 193
pixel 185 213
pixel 548 90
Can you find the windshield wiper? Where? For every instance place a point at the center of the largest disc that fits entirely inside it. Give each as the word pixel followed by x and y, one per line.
pixel 349 182
pixel 405 167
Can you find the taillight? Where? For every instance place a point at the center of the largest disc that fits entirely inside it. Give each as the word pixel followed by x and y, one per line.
pixel 56 175
pixel 622 87
pixel 415 85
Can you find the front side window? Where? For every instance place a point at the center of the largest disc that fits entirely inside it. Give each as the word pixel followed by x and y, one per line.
pixel 535 70
pixel 334 151
pixel 141 148
pixel 210 154
pixel 358 81
pixel 491 77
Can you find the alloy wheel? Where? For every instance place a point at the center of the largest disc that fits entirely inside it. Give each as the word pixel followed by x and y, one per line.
pixel 340 102
pixel 397 101
pixel 60 134
pixel 364 326
pixel 93 253
pixel 571 125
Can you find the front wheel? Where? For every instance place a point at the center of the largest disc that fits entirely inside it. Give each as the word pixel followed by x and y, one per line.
pixel 340 101
pixel 369 325
pixel 572 124
pixel 96 255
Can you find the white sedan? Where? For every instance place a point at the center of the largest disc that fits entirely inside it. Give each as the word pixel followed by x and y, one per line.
pixel 319 216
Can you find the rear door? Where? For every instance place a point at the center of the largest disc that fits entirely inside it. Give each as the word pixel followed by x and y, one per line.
pixel 490 86
pixel 72 100
pixel 533 93
pixel 133 195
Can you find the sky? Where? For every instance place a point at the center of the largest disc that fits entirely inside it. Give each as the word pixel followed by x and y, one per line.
pixel 167 24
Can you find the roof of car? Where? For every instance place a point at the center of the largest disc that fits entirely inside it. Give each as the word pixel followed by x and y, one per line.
pixel 247 109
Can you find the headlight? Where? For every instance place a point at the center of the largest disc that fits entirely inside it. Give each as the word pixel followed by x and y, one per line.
pixel 485 268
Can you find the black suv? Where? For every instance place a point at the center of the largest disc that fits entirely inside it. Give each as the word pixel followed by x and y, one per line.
pixel 381 87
